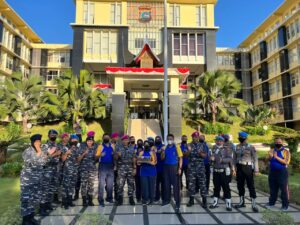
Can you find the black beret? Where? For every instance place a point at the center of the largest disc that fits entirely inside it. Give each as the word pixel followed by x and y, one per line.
pixel 35 137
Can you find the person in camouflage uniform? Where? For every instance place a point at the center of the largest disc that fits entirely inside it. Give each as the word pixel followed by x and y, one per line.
pixel 30 179
pixel 70 170
pixel 221 160
pixel 88 170
pixel 50 181
pixel 196 169
pixel 126 163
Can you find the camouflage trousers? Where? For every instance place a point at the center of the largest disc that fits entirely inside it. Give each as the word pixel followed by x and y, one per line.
pixel 87 182
pixel 69 181
pixel 50 183
pixel 196 174
pixel 30 193
pixel 125 173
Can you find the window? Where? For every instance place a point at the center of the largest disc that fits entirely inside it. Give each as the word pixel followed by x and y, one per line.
pixel 255 76
pixel 272 44
pixel 175 15
pixel 271 67
pixel 276 66
pixel 101 43
pixel 295 79
pixel 292 56
pixel 139 43
pixel 176 47
pixel 52 75
pixel 184 44
pixel 225 60
pixel 9 62
pixel 296 104
pixel 201 16
pixel 272 88
pixel 192 44
pixel 255 56
pixel 88 12
pixel 257 94
pixel 59 57
pixel 200 44
pixel 116 13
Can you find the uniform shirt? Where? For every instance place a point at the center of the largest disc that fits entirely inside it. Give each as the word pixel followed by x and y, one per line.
pixel 51 161
pixel 127 154
pixel 246 153
pixel 184 148
pixel 282 153
pixel 171 154
pixel 223 157
pixel 88 163
pixel 160 161
pixel 207 151
pixel 196 149
pixel 138 167
pixel 71 161
pixel 146 169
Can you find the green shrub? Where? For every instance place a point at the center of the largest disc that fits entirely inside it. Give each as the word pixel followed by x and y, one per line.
pixel 12 169
pixel 11 216
pixel 14 157
pixel 258 130
pixel 93 219
pixel 277 218
pixel 217 128
pixel 283 130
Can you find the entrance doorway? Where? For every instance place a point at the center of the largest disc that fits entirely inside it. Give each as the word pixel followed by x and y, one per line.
pixel 145 110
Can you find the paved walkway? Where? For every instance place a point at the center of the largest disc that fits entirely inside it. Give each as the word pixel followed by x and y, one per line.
pixel 145 215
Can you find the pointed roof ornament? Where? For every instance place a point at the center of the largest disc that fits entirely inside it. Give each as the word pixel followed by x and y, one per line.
pixel 146 48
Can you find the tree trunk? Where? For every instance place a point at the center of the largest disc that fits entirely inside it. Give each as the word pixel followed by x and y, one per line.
pixel 213 113
pixel 3 154
pixel 24 123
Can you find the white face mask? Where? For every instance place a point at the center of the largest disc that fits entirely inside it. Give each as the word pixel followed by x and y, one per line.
pixel 170 142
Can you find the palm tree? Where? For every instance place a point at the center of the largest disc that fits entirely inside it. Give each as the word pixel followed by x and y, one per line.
pixel 78 97
pixel 214 93
pixel 19 96
pixel 259 115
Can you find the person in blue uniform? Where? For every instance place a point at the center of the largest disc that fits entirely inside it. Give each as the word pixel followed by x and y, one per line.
pixel 280 158
pixel 147 161
pixel 172 156
pixel 138 188
pixel 184 148
pixel 159 192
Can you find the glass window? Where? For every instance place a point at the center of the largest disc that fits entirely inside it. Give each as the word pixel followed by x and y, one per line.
pixel 295 79
pixel 184 44
pixel 174 15
pixel 88 12
pixel 192 44
pixel 115 13
pixel 201 16
pixel 176 44
pixel 200 44
pixel 89 42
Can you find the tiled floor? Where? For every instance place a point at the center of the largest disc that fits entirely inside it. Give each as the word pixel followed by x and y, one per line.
pixel 157 215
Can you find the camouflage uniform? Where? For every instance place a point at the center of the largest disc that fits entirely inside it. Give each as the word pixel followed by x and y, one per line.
pixel 196 169
pixel 70 170
pixel 50 181
pixel 88 170
pixel 31 177
pixel 125 169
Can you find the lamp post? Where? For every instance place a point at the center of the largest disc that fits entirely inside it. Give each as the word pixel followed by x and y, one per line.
pixel 166 92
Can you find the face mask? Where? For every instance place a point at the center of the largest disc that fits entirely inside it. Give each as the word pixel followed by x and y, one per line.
pixel 74 143
pixel 151 144
pixel 132 142
pixel 226 139
pixel 201 140
pixel 278 146
pixel 52 138
pixel 105 141
pixel 242 139
pixel 158 142
pixel 147 147
pixel 170 142
pixel 184 142
pixel 140 144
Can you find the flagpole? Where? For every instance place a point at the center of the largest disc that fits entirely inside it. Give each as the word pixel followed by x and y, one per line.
pixel 166 92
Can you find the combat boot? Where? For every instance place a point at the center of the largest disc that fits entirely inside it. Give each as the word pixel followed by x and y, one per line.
pixel 131 201
pixel 84 202
pixel 191 202
pixel 76 196
pixel 119 200
pixel 254 207
pixel 56 199
pixel 228 205
pixel 70 201
pixel 241 204
pixel 204 202
pixel 27 220
pixel 215 204
pixel 90 200
pixel 43 211
pixel 48 206
pixel 65 203
pixel 33 220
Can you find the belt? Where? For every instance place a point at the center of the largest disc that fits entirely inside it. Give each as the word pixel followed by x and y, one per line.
pixel 219 170
pixel 245 163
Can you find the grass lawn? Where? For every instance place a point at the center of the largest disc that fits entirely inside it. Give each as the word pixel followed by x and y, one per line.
pixel 9 193
pixel 295 179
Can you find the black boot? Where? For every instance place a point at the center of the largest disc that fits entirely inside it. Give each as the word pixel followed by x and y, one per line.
pixel 90 202
pixel 241 204
pixel 43 211
pixel 84 202
pixel 33 220
pixel 65 203
pixel 131 201
pixel 120 200
pixel 48 206
pixel 70 201
pixel 76 196
pixel 27 220
pixel 56 199
pixel 191 202
pixel 204 202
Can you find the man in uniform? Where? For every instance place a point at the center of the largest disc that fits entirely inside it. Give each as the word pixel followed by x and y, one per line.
pixel 246 164
pixel 115 140
pixel 280 158
pixel 126 160
pixel 221 159
pixel 138 187
pixel 50 180
pixel 159 192
pixel 196 169
pixel 184 147
pixel 70 170
pixel 206 162
pixel 30 179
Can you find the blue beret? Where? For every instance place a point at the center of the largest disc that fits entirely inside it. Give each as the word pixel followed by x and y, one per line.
pixel 243 134
pixel 225 136
pixel 52 132
pixel 35 137
pixel 74 136
pixel 150 139
pixel 219 138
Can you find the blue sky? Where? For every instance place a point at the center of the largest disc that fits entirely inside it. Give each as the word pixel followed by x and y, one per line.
pixel 236 18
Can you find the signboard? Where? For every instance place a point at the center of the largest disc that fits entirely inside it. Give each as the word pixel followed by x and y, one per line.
pixel 144 13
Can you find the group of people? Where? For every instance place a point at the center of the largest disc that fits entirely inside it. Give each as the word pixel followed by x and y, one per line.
pixel 150 168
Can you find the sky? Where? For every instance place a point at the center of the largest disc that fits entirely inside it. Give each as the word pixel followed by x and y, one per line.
pixel 51 19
